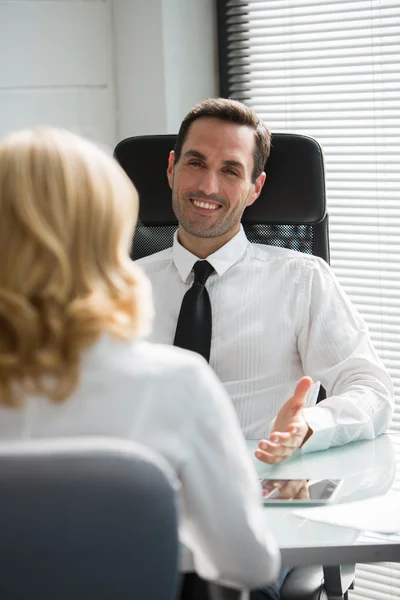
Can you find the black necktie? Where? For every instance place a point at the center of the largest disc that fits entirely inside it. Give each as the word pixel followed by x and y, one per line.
pixel 193 330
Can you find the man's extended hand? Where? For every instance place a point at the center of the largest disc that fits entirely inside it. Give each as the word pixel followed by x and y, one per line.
pixel 290 429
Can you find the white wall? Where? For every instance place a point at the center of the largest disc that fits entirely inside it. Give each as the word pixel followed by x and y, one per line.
pixel 105 68
pixel 190 56
pixel 166 57
pixel 56 66
pixel 139 67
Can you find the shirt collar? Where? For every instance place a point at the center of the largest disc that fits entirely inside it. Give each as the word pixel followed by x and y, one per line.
pixel 221 260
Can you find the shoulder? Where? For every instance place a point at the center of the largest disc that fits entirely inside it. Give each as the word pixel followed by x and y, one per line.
pixel 186 378
pixel 263 253
pixel 168 360
pixel 296 268
pixel 147 366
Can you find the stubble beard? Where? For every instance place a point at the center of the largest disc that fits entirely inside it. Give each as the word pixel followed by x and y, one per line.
pixel 217 229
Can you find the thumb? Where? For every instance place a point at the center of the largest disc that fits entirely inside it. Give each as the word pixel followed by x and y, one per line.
pixel 298 400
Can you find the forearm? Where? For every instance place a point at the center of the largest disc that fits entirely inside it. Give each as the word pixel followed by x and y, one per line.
pixel 359 413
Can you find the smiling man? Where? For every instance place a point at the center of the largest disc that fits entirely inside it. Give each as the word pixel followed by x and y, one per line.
pixel 213 179
pixel 279 317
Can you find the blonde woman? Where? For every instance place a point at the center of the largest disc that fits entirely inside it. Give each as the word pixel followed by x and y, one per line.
pixel 73 310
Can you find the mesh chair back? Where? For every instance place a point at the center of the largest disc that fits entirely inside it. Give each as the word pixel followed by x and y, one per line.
pixel 86 519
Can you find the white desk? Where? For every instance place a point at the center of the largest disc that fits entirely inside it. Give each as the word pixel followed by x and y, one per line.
pixel 369 469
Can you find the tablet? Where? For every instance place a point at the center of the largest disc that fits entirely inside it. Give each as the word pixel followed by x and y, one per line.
pixel 300 491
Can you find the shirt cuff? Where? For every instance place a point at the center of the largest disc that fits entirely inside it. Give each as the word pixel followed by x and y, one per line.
pixel 322 423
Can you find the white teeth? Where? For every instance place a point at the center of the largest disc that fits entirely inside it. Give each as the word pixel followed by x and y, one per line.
pixel 205 205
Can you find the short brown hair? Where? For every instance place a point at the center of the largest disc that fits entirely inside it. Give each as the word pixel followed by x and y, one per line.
pixel 230 111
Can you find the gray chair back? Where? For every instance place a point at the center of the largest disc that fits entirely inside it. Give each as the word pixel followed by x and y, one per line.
pixel 86 519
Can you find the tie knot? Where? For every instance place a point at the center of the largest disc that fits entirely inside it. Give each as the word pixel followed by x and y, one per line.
pixel 202 271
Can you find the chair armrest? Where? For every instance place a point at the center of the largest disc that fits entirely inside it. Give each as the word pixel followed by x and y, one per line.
pixel 313 582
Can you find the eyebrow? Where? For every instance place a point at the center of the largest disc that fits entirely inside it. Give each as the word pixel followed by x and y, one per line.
pixel 196 154
pixel 234 163
pixel 226 163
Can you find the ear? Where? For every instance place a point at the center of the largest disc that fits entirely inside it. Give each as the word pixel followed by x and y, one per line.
pixel 257 187
pixel 170 168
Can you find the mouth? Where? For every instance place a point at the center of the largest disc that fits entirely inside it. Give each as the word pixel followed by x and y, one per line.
pixel 205 207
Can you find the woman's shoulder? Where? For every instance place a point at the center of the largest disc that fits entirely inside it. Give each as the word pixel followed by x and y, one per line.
pixel 164 378
pixel 140 358
pixel 167 358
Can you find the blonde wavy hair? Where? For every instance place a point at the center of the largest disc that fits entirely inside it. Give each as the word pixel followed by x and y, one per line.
pixel 67 216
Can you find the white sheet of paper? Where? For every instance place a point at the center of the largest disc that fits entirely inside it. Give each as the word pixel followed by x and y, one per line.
pixel 380 514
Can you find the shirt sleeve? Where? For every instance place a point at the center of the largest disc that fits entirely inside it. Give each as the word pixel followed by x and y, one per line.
pixel 336 350
pixel 224 522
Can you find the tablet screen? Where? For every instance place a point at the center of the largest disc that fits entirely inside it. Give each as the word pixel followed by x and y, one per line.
pixel 312 491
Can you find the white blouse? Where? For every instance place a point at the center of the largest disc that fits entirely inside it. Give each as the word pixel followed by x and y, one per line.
pixel 170 400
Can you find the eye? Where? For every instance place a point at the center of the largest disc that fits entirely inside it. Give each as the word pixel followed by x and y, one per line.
pixel 195 163
pixel 230 172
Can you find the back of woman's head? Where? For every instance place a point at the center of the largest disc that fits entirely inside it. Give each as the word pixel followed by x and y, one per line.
pixel 67 215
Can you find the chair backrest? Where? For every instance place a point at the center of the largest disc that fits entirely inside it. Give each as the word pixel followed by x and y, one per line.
pixel 86 519
pixel 290 212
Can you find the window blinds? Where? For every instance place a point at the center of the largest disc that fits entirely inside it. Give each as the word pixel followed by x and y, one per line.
pixel 331 70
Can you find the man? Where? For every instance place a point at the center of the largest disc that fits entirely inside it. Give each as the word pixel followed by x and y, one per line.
pixel 277 315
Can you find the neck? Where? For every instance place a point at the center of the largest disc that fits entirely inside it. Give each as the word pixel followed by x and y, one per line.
pixel 204 247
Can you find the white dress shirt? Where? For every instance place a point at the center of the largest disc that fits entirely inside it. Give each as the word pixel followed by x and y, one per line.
pixel 278 315
pixel 170 400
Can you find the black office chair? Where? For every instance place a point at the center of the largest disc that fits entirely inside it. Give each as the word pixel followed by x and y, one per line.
pixel 86 519
pixel 290 213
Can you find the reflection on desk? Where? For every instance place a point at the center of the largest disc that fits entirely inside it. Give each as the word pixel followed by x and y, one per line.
pixel 368 469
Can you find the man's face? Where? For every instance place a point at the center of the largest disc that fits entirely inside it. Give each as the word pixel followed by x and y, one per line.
pixel 211 183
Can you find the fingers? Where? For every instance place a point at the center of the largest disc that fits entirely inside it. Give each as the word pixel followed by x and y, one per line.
pixel 281 445
pixel 274 455
pixel 281 448
pixel 269 459
pixel 291 438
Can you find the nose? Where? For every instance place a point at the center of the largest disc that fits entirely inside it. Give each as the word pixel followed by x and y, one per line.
pixel 209 183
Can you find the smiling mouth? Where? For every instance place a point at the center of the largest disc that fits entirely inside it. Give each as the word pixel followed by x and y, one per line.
pixel 205 205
